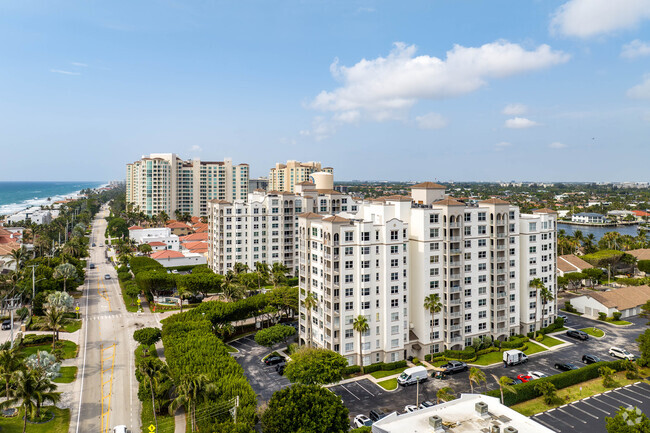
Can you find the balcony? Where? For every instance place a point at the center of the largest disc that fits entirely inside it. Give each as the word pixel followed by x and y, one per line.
pixel 501 222
pixel 456 339
pixel 501 260
pixel 454 328
pixel 454 251
pixel 502 330
pixel 453 238
pixel 501 247
pixel 454 225
pixel 454 314
pixel 453 302
pixel 454 289
pixel 502 235
pixel 501 294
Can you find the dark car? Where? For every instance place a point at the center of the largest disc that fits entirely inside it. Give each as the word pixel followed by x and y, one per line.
pixel 565 366
pixel 94 244
pixel 274 359
pixel 6 324
pixel 91 266
pixel 280 368
pixel 376 414
pixel 580 335
pixel 514 381
pixel 590 359
pixel 454 367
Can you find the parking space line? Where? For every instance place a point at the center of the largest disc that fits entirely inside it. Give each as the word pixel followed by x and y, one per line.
pixel 556 419
pixel 548 425
pixel 353 395
pixel 631 398
pixel 571 415
pixel 634 392
pixel 621 401
pixel 599 400
pixel 365 389
pixel 595 407
pixel 583 411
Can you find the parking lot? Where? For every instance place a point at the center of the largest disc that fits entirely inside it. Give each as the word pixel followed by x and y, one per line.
pixel 588 415
pixel 263 378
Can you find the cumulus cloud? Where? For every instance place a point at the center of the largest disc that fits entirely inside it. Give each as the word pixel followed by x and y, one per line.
pixel 635 49
pixel 351 116
pixel 557 145
pixel 62 72
pixel 196 148
pixel 640 91
pixel 520 123
pixel 388 85
pixel 515 109
pixel 502 145
pixel 431 121
pixel 588 18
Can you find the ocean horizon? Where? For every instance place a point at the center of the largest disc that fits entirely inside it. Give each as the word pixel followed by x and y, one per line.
pixel 17 195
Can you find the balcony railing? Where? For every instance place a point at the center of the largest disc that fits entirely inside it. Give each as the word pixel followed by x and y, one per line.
pixel 454 225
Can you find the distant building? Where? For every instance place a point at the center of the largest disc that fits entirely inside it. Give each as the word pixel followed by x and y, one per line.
pixel 258 183
pixel 34 215
pixel 588 217
pixel 569 263
pixel 160 238
pixel 471 413
pixel 170 259
pixel 284 177
pixel 163 182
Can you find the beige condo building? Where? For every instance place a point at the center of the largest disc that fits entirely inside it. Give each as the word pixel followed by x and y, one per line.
pixel 165 182
pixel 284 177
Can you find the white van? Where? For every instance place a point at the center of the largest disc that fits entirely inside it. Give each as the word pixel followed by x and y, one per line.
pixel 120 429
pixel 413 375
pixel 514 357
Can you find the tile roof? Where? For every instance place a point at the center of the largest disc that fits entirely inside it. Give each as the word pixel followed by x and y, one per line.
pixel 177 225
pixel 6 249
pixel 135 228
pixel 428 185
pixel 306 182
pixel 310 215
pixel 641 213
pixel 203 236
pixel 641 253
pixel 215 201
pixel 336 219
pixel 571 263
pixel 167 254
pixel 448 202
pixel 623 298
pixel 196 247
pixel 494 200
pixel 544 210
pixel 157 244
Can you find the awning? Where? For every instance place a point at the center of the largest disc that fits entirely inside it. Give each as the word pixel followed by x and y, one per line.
pixel 416 347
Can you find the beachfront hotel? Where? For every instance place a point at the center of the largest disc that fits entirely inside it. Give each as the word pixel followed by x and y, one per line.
pixel 383 261
pixel 284 177
pixel 165 182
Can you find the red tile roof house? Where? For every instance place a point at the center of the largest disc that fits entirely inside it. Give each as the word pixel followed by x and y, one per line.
pixel 157 246
pixel 170 258
pixel 178 228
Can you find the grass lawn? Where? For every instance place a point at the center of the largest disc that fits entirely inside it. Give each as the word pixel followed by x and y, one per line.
pixel 72 325
pixel 231 349
pixel 69 349
pixel 618 322
pixel 572 393
pixel 533 348
pixel 68 375
pixel 165 421
pixel 489 358
pixel 127 303
pixel 550 341
pixel 389 384
pixel 594 332
pixel 60 423
pixel 380 374
pixel 562 329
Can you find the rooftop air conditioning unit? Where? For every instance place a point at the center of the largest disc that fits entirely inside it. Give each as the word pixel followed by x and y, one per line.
pixel 510 429
pixel 494 428
pixel 436 422
pixel 481 408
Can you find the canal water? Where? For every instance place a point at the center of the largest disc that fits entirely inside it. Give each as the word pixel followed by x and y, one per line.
pixel 598 231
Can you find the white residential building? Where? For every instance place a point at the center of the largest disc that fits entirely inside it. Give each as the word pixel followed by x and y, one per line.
pixel 35 215
pixel 263 228
pixel 588 217
pixel 157 235
pixel 163 182
pixel 285 177
pixel 471 256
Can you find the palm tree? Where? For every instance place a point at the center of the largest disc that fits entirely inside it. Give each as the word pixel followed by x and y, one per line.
pixel 262 270
pixel 18 257
pixel 184 293
pixel 432 303
pixel 445 394
pixel 278 274
pixel 31 390
pixel 230 288
pixel 545 296
pixel 240 268
pixel 477 376
pixel 10 362
pixel 65 271
pixel 155 371
pixel 361 325
pixel 190 390
pixel 145 249
pixel 504 384
pixel 538 285
pixel 54 317
pixel 310 302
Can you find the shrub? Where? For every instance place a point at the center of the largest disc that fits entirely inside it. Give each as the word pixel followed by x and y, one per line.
pixel 273 335
pixel 548 391
pixel 569 307
pixel 644 266
pixel 351 369
pixel 36 340
pixel 602 316
pixel 608 377
pixel 540 337
pixel 427 358
pixel 416 361
pixel 617 315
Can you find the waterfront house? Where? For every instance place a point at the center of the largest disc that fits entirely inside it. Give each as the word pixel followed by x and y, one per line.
pixel 588 217
pixel 569 263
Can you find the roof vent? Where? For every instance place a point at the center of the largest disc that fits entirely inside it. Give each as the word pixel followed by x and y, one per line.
pixel 481 408
pixel 510 429
pixel 494 428
pixel 436 422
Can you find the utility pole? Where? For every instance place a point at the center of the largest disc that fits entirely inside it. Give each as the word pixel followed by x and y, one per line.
pixel 11 304
pixel 31 308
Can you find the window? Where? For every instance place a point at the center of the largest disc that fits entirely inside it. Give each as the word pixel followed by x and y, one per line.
pixel 481 216
pixel 482 255
pixel 394 317
pixel 394 343
pixel 434 259
pixel 394 330
pixel 532 238
pixel 482 242
pixel 468 304
pixel 532 305
pixel 433 218
pixel 348 251
pixel 468 292
pixel 468 316
pixel 467 217
pixel 394 303
pixel 365 250
pixel 349 278
pixel 532 227
pixel 365 264
pixel 434 246
pixel 433 272
pixel 482 266
pixel 365 305
pixel 435 335
pixel 434 284
pixel 482 278
pixel 365 236
pixel 349 333
pixel 468 280
pixel 482 290
pixel 482 326
pixel 349 306
pixel 349 347
pixel 482 314
pixel 482 302
pixel 532 250
pixel 394 249
pixel 434 233
pixel 348 264
pixel 394 290
pixel 467 231
pixel 482 230
pixel 394 276
pixel 468 268
pixel 468 329
pixel 394 235
pixel 349 236
pixel 394 263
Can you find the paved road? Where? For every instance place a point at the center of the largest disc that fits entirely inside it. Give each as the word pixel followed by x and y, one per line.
pixel 363 396
pixel 106 385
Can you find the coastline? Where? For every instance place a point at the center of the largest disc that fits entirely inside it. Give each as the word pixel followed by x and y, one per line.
pixel 15 207
pixel 619 224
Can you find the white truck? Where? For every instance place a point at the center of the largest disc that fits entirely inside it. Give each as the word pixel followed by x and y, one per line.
pixel 514 357
pixel 413 375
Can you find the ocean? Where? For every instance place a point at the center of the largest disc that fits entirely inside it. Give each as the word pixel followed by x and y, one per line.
pixel 16 196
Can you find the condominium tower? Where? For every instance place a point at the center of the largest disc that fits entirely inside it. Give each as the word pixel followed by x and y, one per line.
pixel 164 182
pixel 284 177
pixel 385 262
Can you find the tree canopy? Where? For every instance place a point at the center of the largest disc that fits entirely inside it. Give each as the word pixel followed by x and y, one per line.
pixel 275 334
pixel 315 366
pixel 628 420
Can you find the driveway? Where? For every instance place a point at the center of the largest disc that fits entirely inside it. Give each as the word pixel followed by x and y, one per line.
pixel 263 378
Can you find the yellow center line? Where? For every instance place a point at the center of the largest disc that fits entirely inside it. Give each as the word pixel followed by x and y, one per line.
pixel 105 413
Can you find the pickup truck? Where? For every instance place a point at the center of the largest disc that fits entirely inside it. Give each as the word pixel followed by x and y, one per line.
pixel 454 367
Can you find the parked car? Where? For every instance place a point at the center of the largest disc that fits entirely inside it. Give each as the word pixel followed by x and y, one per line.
pixel 537 374
pixel 524 378
pixel 410 408
pixel 362 421
pixel 107 277
pixel 620 353
pixel 426 404
pixel 580 335
pixel 376 414
pixel 565 366
pixel 91 266
pixel 413 375
pixel 454 367
pixel 514 357
pixel 6 324
pixel 101 245
pixel 514 381
pixel 94 244
pixel 562 316
pixel 590 359
pixel 120 429
pixel 280 367
pixel 274 359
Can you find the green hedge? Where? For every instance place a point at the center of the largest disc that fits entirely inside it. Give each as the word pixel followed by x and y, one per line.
pixel 351 369
pixel 527 391
pixel 557 324
pixel 378 366
pixel 514 343
pixel 36 339
pixel 644 266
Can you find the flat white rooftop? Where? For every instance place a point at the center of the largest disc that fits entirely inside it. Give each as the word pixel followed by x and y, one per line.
pixel 461 416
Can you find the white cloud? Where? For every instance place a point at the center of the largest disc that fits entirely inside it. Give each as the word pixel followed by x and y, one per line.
pixel 502 145
pixel 394 83
pixel 60 71
pixel 640 91
pixel 587 18
pixel 635 49
pixel 515 109
pixel 431 121
pixel 557 145
pixel 351 116
pixel 196 148
pixel 520 123
pixel 83 65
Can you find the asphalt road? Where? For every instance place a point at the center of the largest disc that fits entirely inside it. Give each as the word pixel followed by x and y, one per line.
pixel 106 386
pixel 361 397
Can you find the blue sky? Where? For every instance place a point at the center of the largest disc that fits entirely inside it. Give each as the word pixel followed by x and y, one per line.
pixel 421 90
